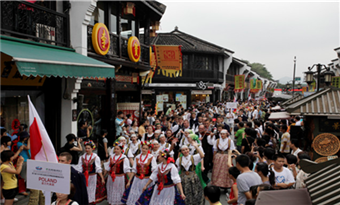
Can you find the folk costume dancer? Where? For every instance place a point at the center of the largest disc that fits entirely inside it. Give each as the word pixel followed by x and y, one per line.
pixel 190 181
pixel 222 161
pixel 134 147
pixel 117 166
pixel 144 164
pixel 168 188
pixel 89 164
pixel 208 157
pixel 127 152
pixel 192 151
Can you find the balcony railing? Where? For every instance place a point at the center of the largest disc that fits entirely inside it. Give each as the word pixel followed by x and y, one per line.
pixel 114 48
pixel 30 21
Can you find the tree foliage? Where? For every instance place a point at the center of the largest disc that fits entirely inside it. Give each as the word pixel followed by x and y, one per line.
pixel 260 69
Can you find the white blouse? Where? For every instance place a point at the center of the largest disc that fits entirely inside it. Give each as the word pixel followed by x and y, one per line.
pixel 114 157
pixel 153 162
pixel 223 144
pixel 129 154
pixel 174 173
pixel 134 147
pixel 164 146
pixel 186 161
pixel 149 136
pixel 155 153
pixel 79 167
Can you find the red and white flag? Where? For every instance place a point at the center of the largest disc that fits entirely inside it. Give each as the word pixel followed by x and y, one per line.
pixel 234 99
pixel 249 96
pixel 41 146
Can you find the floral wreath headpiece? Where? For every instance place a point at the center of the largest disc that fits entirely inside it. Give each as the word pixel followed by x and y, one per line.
pixel 120 145
pixel 91 143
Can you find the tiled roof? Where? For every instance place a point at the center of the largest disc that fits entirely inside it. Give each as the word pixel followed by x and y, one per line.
pixel 322 103
pixel 292 100
pixel 188 42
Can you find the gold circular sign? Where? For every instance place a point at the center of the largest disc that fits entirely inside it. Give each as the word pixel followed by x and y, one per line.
pixel 326 144
pixel 100 38
pixel 134 49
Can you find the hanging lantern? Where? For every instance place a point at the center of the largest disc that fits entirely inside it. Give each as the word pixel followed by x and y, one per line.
pixel 155 25
pixel 152 33
pixel 129 8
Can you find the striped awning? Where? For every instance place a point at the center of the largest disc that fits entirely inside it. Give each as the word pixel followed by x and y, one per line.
pixel 323 103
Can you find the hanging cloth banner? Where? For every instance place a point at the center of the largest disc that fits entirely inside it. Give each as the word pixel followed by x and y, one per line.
pixel 169 60
pixel 253 86
pixel 259 84
pixel 239 83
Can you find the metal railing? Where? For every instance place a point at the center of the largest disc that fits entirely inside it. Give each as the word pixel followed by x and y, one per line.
pixel 30 21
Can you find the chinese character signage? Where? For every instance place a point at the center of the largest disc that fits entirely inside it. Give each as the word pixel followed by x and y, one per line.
pixel 259 84
pixel 11 76
pixel 100 39
pixel 134 49
pixel 239 83
pixel 169 60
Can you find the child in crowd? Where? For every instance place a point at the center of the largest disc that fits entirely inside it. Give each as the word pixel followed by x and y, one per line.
pixel 233 174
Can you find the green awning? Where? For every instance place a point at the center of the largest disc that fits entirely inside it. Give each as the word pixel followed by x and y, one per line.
pixel 39 59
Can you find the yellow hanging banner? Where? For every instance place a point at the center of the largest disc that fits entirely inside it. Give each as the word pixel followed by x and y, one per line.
pixel 169 60
pixel 239 83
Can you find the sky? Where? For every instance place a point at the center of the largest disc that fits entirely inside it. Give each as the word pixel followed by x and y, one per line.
pixel 271 33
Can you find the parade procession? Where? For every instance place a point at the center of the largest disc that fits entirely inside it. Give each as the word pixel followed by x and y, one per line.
pixel 143 103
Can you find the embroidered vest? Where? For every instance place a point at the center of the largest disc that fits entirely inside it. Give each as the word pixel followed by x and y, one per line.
pixel 146 169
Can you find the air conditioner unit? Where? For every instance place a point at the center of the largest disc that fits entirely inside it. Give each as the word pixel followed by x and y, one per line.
pixel 45 32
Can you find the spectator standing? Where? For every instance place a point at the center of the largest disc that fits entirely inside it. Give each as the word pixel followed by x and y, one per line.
pixel 284 178
pixel 246 179
pixel 233 174
pixel 285 140
pixel 8 172
pixel 26 154
pixel 239 135
pixel 103 152
pixel 294 145
pixel 119 123
pixel 212 194
pixel 71 148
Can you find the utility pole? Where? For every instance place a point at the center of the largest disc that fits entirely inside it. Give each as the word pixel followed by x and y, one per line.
pixel 294 74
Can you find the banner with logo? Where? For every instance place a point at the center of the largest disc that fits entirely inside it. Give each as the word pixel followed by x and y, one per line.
pixel 169 60
pixel 239 83
pixel 48 176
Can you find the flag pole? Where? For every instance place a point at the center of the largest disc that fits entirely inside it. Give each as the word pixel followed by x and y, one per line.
pixel 44 150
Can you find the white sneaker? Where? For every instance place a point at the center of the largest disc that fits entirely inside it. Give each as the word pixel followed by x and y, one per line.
pixel 15 199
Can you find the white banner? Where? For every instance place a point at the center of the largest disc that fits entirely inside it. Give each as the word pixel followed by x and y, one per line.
pixel 232 105
pixel 48 176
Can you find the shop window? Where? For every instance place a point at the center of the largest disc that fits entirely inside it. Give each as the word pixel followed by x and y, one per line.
pixel 201 62
pixel 185 59
pixel 14 105
pixel 113 18
pixel 98 15
pixel 128 28
pixel 90 110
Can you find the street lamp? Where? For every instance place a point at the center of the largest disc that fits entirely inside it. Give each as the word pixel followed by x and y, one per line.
pixel 327 75
pixel 288 85
pixel 298 86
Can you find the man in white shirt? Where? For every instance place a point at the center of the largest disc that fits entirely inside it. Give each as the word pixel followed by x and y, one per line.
pixel 255 113
pixel 284 178
pixel 230 118
pixel 294 145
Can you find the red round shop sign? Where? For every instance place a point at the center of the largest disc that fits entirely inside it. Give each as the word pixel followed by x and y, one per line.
pixel 100 38
pixel 15 124
pixel 134 49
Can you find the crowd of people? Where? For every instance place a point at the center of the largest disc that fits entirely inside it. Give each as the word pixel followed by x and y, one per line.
pixel 180 156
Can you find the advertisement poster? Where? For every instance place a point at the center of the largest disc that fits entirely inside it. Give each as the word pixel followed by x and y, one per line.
pixel 165 97
pixel 48 176
pixel 183 101
pixel 159 102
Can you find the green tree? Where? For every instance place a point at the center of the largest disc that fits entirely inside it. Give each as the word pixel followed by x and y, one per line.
pixel 260 69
